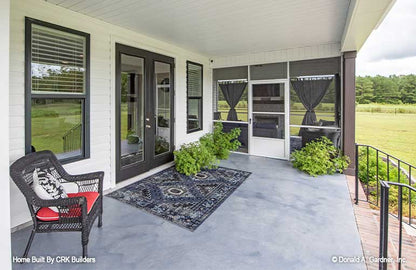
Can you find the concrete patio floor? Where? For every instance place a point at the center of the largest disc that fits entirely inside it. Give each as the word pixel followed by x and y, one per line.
pixel 279 218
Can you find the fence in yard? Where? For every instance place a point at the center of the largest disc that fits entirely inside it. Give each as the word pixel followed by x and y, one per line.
pixel 72 138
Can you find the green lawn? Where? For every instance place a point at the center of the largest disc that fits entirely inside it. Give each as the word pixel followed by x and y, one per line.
pixel 392 133
pixel 388 127
pixel 51 121
pixel 387 108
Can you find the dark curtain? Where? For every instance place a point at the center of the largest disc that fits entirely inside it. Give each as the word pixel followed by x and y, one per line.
pixel 310 93
pixel 232 94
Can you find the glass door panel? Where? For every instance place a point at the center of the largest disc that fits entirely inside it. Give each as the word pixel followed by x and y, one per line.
pixel 162 108
pixel 132 138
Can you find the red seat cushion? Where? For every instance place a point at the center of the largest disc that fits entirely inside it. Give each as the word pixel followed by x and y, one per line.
pixel 47 214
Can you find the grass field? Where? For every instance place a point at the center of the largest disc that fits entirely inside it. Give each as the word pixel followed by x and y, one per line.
pixel 387 108
pixel 51 121
pixel 390 132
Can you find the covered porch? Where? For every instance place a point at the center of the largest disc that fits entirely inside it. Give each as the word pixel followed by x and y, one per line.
pixel 144 78
pixel 279 218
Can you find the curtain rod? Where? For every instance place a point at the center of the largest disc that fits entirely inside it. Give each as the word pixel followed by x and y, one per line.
pixel 314 78
pixel 231 81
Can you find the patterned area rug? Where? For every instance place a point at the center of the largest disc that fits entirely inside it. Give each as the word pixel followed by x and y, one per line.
pixel 184 200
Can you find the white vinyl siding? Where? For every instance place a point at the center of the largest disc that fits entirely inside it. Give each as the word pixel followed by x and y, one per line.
pixel 102 89
pixel 5 246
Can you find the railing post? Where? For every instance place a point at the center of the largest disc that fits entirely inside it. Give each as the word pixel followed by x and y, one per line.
pixel 400 214
pixel 368 176
pixel 410 195
pixel 388 167
pixel 384 224
pixel 378 182
pixel 356 173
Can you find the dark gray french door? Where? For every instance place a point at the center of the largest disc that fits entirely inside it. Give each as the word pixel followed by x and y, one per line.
pixel 144 111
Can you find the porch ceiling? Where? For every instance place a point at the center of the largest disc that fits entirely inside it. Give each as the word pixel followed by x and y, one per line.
pixel 218 27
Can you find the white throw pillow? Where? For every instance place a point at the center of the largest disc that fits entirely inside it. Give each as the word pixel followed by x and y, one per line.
pixel 47 187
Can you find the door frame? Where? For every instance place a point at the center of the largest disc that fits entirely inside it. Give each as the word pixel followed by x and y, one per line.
pixel 150 160
pixel 287 112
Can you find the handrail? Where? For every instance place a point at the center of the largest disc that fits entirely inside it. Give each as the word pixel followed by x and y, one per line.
pixel 71 130
pixel 382 157
pixel 387 185
pixel 384 222
pixel 387 154
pixel 403 180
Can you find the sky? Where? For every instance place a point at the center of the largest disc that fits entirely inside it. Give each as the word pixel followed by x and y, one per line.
pixel 391 48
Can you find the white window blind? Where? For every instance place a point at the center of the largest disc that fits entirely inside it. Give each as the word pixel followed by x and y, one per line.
pixel 194 96
pixel 58 61
pixel 194 80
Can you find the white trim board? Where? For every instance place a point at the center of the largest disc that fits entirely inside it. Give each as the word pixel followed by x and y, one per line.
pixel 278 56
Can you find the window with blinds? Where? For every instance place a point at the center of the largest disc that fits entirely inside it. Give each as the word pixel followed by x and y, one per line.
pixel 57 116
pixel 58 61
pixel 194 96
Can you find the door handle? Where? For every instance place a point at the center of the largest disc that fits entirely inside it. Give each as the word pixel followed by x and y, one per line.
pixel 148 126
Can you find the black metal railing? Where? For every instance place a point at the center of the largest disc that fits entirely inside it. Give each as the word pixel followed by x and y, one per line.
pixel 72 138
pixel 384 223
pixel 373 165
pixel 381 176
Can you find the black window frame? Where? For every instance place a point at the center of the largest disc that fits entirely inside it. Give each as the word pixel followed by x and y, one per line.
pixel 84 97
pixel 200 98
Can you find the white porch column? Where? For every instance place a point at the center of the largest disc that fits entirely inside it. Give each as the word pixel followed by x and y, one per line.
pixel 5 246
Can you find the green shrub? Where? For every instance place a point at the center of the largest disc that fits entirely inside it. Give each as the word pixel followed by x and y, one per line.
pixel 194 157
pixel 132 137
pixel 162 122
pixel 161 145
pixel 319 157
pixel 221 143
pixel 392 176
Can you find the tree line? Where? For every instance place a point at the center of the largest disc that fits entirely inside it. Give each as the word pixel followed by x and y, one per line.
pixel 390 90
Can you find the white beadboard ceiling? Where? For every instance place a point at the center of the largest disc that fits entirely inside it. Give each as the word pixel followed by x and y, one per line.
pixel 224 27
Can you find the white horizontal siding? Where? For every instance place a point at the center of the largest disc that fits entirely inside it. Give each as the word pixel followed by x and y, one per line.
pixel 102 88
pixel 290 54
pixel 5 247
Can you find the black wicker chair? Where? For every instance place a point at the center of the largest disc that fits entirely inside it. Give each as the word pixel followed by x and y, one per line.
pixel 73 215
